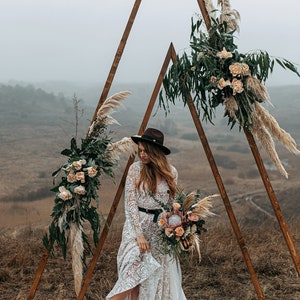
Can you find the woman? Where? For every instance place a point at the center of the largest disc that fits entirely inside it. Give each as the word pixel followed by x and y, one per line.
pixel 144 272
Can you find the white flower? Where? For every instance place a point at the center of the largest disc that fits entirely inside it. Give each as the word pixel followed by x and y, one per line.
pixel 78 164
pixel 64 194
pixel 174 220
pixel 80 190
pixel 80 176
pixel 92 171
pixel 224 54
pixel 71 177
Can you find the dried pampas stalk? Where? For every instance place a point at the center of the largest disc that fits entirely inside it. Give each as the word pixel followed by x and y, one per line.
pixel 125 145
pixel 231 106
pixel 257 88
pixel 270 122
pixel 77 254
pixel 188 201
pixel 194 242
pixel 210 8
pixel 107 107
pixel 265 139
pixel 228 15
pixel 202 207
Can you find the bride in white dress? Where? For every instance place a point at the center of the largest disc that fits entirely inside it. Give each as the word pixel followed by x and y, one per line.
pixel 145 273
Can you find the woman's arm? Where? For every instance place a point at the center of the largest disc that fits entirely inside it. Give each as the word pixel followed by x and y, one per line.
pixel 131 201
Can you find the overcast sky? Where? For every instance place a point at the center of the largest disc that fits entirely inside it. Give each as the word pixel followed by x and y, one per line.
pixel 76 40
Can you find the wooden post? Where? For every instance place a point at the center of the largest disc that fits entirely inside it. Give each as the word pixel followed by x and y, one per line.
pixel 103 96
pixel 273 199
pixel 222 190
pixel 118 56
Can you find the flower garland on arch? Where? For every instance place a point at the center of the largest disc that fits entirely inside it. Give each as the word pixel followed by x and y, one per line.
pixel 216 73
pixel 76 192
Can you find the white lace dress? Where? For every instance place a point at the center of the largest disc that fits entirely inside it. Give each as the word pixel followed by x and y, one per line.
pixel 158 275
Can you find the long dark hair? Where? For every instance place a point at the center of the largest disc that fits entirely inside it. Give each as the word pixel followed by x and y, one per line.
pixel 158 164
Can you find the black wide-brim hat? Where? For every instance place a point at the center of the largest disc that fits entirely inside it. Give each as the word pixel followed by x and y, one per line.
pixel 152 136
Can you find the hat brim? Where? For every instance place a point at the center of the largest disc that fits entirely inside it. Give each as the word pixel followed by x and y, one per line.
pixel 138 138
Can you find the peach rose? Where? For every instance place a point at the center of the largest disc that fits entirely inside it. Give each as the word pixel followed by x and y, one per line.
pixel 77 164
pixel 64 194
pixel 245 70
pixel 168 232
pixel 223 83
pixel 161 222
pixel 235 69
pixel 193 217
pixel 71 177
pixel 92 171
pixel 224 54
pixel 179 231
pixel 237 86
pixel 176 206
pixel 80 177
pixel 80 190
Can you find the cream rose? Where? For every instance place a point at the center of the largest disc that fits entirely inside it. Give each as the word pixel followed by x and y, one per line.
pixel 77 164
pixel 92 171
pixel 64 194
pixel 235 69
pixel 193 217
pixel 80 177
pixel 179 231
pixel 71 177
pixel 245 70
pixel 80 190
pixel 237 86
pixel 176 206
pixel 223 83
pixel 224 54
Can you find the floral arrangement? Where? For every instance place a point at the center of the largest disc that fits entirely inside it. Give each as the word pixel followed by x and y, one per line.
pixel 76 197
pixel 182 224
pixel 216 73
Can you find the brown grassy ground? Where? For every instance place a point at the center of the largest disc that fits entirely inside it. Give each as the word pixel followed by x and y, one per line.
pixel 222 273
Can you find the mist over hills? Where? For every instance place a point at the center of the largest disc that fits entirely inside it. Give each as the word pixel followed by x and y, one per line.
pixel 43 102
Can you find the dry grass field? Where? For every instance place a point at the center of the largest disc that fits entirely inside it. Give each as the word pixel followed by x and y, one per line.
pixel 30 154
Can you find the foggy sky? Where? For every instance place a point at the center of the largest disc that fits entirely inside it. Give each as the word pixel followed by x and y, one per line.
pixel 76 40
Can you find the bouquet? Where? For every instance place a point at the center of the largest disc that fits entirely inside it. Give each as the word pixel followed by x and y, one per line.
pixel 182 224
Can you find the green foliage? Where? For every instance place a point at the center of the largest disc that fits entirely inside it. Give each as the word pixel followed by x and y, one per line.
pixel 85 165
pixel 205 74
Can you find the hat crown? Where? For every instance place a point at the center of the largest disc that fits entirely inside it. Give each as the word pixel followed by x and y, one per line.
pixel 154 135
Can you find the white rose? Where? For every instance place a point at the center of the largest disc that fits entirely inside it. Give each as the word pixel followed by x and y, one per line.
pixel 80 176
pixel 92 171
pixel 80 190
pixel 64 194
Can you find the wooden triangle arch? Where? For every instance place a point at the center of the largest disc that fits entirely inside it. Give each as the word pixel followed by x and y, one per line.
pixel 171 56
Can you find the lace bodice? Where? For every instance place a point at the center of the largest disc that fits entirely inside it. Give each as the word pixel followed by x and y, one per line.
pixel 142 198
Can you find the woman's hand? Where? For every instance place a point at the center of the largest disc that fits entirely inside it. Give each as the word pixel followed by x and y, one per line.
pixel 143 244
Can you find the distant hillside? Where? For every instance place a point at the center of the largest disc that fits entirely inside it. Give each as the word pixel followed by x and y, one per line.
pixel 27 105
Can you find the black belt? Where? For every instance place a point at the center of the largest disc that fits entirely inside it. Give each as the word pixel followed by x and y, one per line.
pixel 155 212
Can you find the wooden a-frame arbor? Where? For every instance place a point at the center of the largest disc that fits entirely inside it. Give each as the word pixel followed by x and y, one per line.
pixel 171 56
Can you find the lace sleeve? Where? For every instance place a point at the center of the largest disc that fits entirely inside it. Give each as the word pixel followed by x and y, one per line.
pixel 131 200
